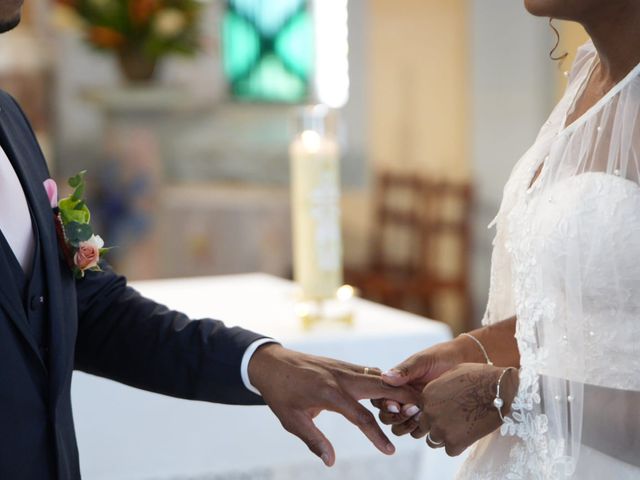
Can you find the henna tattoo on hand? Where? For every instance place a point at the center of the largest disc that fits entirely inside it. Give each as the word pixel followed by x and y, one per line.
pixel 474 399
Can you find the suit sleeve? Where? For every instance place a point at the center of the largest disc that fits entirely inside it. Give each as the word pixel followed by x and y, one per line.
pixel 134 340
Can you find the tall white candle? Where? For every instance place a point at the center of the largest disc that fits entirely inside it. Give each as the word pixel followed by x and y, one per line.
pixel 315 202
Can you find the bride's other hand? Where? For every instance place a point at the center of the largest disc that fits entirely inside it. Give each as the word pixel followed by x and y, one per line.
pixel 458 407
pixel 417 371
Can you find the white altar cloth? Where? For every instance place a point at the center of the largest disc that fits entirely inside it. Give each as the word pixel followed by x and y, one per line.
pixel 127 434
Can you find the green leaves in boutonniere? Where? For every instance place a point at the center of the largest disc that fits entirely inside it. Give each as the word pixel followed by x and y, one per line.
pixel 82 248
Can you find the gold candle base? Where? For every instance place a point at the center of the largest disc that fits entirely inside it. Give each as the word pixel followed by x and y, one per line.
pixel 334 312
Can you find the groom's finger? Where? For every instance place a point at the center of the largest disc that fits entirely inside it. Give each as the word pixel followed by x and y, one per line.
pixel 365 421
pixel 357 369
pixel 367 386
pixel 302 426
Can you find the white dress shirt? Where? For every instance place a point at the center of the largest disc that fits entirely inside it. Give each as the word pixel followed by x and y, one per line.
pixel 246 358
pixel 15 224
pixel 15 220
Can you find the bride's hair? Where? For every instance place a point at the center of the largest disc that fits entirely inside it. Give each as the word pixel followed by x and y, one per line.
pixel 552 54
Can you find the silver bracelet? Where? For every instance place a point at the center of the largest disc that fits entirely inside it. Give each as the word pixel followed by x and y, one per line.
pixel 498 402
pixel 484 352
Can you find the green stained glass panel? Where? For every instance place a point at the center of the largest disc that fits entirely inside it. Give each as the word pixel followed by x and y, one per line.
pixel 239 60
pixel 268 49
pixel 294 45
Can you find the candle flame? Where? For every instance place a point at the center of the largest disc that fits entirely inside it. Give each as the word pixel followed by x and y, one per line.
pixel 311 140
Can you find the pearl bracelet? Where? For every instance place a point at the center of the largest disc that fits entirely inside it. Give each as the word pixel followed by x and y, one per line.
pixel 479 343
pixel 498 402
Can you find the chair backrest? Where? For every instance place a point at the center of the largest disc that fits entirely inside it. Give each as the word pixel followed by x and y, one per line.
pixel 420 222
pixel 397 234
pixel 447 228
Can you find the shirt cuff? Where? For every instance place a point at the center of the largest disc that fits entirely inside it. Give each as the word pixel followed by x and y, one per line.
pixel 246 358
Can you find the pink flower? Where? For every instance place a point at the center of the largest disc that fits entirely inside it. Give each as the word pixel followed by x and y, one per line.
pixel 88 253
pixel 51 187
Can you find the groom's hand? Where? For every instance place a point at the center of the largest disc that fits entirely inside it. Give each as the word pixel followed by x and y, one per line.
pixel 297 387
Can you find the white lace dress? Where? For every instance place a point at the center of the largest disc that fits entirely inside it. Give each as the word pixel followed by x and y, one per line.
pixel 566 262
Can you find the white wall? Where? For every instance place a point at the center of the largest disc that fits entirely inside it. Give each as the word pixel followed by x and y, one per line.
pixel 355 166
pixel 512 94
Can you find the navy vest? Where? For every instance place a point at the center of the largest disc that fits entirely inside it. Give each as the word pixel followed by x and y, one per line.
pixel 32 290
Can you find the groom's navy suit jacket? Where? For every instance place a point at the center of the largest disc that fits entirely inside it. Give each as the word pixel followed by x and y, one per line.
pixel 97 324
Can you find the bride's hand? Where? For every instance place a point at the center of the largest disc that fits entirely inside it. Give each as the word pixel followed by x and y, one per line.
pixel 417 371
pixel 458 407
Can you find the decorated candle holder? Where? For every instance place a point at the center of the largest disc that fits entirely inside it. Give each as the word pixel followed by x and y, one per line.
pixel 315 204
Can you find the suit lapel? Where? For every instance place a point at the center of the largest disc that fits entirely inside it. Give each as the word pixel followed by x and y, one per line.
pixel 21 149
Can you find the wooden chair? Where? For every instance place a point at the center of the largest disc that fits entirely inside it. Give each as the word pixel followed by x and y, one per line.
pixel 420 247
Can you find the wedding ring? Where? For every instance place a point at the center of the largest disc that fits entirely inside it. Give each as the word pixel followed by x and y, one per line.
pixel 432 443
pixel 366 370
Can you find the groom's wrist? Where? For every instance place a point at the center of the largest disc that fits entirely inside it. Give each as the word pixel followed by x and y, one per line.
pixel 247 359
pixel 263 363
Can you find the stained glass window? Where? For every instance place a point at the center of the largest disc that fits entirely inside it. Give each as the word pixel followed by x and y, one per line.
pixel 268 49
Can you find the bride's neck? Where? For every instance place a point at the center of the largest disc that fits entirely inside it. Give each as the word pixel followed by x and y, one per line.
pixel 616 36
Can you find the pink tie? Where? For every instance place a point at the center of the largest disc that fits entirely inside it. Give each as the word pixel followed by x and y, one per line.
pixel 15 221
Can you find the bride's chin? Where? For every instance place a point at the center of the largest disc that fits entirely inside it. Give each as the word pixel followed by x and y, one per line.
pixel 545 8
pixel 10 13
pixel 539 8
pixel 8 25
pixel 571 10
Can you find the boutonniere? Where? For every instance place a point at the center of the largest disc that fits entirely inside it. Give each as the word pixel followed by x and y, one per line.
pixel 82 249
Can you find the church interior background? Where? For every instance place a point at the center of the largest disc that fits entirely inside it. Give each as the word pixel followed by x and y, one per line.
pixel 189 170
pixel 182 112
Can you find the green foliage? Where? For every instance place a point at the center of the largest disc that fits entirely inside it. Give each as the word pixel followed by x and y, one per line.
pixel 78 232
pixel 74 212
pixel 73 208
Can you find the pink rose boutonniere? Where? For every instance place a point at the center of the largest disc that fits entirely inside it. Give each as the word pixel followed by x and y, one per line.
pixel 82 249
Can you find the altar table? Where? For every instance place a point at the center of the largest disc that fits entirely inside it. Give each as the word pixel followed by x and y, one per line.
pixel 129 434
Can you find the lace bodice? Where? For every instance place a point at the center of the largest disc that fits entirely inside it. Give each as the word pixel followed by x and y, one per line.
pixel 596 212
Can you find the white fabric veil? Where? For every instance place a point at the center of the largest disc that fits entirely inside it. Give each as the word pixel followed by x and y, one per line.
pixel 566 262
